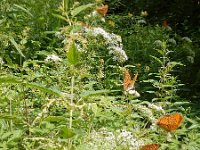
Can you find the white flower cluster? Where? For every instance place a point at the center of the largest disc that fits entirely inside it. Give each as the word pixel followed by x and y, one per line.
pixel 155 107
pixel 146 111
pixel 107 140
pixel 187 39
pixel 113 41
pixel 53 58
pixel 126 139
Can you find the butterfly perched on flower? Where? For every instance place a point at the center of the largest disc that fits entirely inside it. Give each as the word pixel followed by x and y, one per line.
pixel 150 147
pixel 129 84
pixel 102 10
pixel 170 122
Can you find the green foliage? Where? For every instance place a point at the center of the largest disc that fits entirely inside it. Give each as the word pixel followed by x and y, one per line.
pixel 72 54
pixel 61 79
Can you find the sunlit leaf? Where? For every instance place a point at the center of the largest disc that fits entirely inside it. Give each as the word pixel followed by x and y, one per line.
pixel 59 17
pixel 66 132
pixel 81 8
pixel 24 9
pixel 72 54
pixel 16 46
pixel 157 59
pixel 90 93
pixel 55 119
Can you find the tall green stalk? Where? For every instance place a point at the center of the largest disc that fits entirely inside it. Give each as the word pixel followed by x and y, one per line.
pixel 71 102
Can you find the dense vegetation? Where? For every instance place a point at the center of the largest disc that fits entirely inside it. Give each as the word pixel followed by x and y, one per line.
pixel 62 67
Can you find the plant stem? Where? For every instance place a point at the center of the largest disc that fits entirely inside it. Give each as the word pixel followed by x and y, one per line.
pixel 11 122
pixel 71 102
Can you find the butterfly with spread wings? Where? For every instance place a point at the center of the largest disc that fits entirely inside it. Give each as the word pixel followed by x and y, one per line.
pixel 170 122
pixel 129 84
pixel 150 147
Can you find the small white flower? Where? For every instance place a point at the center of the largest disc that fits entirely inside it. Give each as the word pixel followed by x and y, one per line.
pixel 142 22
pixel 114 43
pixel 53 58
pixel 172 41
pixel 187 39
pixel 155 107
pixel 158 43
pixel 59 35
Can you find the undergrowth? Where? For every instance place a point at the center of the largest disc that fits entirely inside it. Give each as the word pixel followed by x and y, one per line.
pixel 63 90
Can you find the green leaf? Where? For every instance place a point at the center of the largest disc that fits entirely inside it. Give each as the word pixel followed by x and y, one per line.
pixel 8 79
pixel 8 117
pixel 16 46
pixel 24 9
pixel 157 59
pixel 66 133
pixel 89 93
pixel 81 8
pixel 59 17
pixel 13 80
pixel 72 54
pixel 16 135
pixel 43 88
pixel 55 119
pixel 160 51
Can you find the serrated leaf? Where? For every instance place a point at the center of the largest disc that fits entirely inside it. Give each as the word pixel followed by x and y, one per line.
pixel 9 80
pixel 89 93
pixel 59 17
pixel 66 133
pixel 17 134
pixel 8 117
pixel 24 9
pixel 43 88
pixel 16 46
pixel 157 59
pixel 160 51
pixel 72 54
pixel 55 119
pixel 79 9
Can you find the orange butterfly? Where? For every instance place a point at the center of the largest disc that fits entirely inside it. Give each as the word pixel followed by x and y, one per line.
pixel 151 147
pixel 129 84
pixel 102 10
pixel 170 122
pixel 165 24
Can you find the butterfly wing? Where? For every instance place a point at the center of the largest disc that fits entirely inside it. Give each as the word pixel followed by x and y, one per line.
pixel 128 83
pixel 163 122
pixel 170 122
pixel 127 80
pixel 102 10
pixel 134 79
pixel 151 147
pixel 174 121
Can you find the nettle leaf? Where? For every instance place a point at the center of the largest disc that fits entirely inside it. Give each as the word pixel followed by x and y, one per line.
pixel 91 93
pixel 43 88
pixel 16 46
pixel 66 132
pixel 23 9
pixel 81 8
pixel 72 54
pixel 157 59
pixel 55 119
pixel 59 17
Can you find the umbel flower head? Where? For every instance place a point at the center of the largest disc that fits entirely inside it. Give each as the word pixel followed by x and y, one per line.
pixel 113 42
